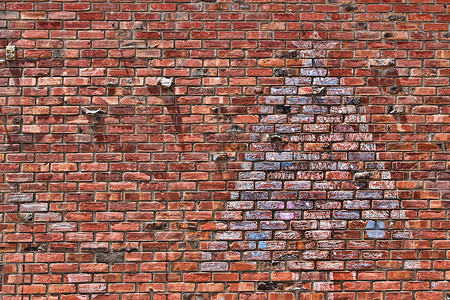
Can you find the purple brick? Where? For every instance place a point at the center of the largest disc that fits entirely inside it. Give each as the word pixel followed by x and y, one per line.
pixel 304 225
pixel 309 175
pixel 297 81
pixel 288 235
pixel 244 185
pixel 313 72
pixel 361 156
pixel 257 255
pixel 258 235
pixel 385 204
pixel 369 195
pixel 267 166
pixel 287 90
pixel 272 245
pixel 274 119
pixel 306 156
pixel 297 185
pixel 252 176
pixel 258 215
pixel 299 100
pixel 327 204
pixel 356 204
pixel 315 109
pixel 312 195
pixel 280 175
pixel 261 128
pixel 263 205
pixel 343 110
pixel 348 215
pixel 273 225
pixel 295 165
pixel 316 215
pixel 301 119
pixel 331 245
pixel 344 91
pixel 279 156
pixel 315 255
pixel 318 234
pixel 300 265
pixel 333 224
pixel 240 205
pixel 271 100
pixel 244 225
pixel 299 204
pixel 229 235
pixel 326 81
pixel 254 196
pixel 213 266
pixel 375 214
pixel 288 128
pixel 287 215
pixel 341 195
pixel 360 265
pixel 268 185
pixel 326 185
pixel 218 246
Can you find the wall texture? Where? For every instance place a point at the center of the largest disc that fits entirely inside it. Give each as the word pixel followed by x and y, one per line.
pixel 228 150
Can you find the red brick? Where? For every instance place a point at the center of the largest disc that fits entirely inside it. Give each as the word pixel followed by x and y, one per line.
pixel 329 121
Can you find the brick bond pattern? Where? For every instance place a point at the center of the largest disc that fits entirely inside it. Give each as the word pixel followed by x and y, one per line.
pixel 225 150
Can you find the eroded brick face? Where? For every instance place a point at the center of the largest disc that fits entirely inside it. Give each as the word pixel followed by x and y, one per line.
pixel 222 150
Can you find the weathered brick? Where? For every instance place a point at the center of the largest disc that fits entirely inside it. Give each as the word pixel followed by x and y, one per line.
pixel 135 141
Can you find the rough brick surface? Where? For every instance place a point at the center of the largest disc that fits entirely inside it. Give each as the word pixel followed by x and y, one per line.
pixel 222 150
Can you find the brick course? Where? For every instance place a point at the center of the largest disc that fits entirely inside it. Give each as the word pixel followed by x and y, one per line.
pixel 189 150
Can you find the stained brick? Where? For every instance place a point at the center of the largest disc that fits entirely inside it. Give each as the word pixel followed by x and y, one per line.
pixel 314 149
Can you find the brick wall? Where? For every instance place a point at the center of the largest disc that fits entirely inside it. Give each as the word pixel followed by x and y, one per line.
pixel 229 150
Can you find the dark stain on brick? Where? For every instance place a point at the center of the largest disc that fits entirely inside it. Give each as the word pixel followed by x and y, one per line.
pixel 110 258
pixel 288 256
pixel 393 90
pixel 129 249
pixel 220 157
pixel 349 7
pixel 266 286
pixel 195 297
pixel 285 72
pixel 283 109
pixel 363 175
pixel 57 53
pixel 359 26
pixel 361 184
pixel 287 54
pixel 354 101
pixel 396 18
pixel 193 245
pixel 156 226
pixel 319 90
pixel 235 128
pixel 17 120
pixel 275 138
pixel 26 217
pixel 200 72
pixel 35 248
